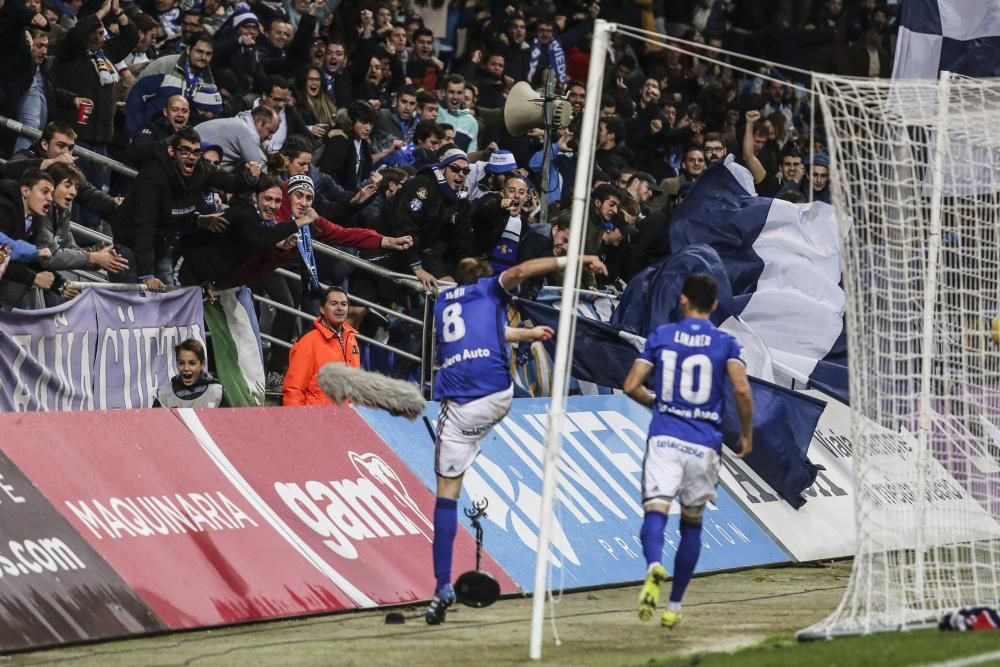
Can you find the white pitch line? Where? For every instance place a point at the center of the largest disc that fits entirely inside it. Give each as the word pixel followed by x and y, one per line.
pixel 225 466
pixel 970 660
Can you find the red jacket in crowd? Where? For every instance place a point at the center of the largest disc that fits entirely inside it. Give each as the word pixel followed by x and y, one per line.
pixel 323 231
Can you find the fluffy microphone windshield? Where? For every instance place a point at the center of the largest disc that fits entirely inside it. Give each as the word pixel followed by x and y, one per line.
pixel 372 390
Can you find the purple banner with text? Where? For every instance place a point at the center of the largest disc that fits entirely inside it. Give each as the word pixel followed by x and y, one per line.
pixel 101 350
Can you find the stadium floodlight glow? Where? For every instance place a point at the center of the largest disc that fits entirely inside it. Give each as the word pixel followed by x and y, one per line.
pixel 915 173
pixel 567 324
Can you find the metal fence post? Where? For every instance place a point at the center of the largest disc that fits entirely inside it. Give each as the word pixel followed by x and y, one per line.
pixel 427 351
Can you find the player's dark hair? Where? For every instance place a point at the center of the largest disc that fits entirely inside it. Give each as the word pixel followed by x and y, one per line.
pixel 31 177
pixel 630 205
pixel 790 150
pixel 296 145
pixel 715 136
pixel 427 130
pixel 605 191
pixel 614 125
pixel 453 79
pixel 270 82
pixel 408 89
pixel 266 182
pixel 424 98
pixel 193 346
pixel 362 112
pixel 60 171
pixel 57 127
pixel 188 134
pixel 694 149
pixel 202 36
pixel 330 290
pixel 421 32
pixel 470 269
pixel 392 175
pixel 701 291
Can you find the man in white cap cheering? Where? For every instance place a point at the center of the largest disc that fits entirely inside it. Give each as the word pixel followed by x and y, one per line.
pixel 488 176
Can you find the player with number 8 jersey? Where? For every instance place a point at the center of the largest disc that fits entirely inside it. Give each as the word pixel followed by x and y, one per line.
pixel 474 386
pixel 690 361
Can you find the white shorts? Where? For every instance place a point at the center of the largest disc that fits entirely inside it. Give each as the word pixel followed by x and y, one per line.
pixel 461 426
pixel 679 469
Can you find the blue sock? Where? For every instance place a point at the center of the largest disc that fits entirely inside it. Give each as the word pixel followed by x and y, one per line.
pixel 687 557
pixel 445 527
pixel 651 535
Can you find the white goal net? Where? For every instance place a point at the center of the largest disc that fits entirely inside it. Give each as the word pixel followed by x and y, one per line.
pixel 915 171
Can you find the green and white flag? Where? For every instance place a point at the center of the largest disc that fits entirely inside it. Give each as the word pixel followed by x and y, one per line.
pixel 235 334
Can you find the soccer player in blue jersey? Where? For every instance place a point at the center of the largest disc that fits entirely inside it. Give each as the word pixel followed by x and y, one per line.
pixel 474 386
pixel 691 360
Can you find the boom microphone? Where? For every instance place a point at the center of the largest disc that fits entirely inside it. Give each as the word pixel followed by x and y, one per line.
pixel 372 390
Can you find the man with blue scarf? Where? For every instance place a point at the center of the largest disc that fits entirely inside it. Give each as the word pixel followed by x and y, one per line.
pixel 547 52
pixel 498 226
pixel 187 74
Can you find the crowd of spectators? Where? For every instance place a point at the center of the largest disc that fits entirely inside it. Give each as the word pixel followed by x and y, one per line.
pixel 377 126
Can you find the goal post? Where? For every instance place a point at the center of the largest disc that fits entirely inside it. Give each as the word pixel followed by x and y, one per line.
pixel 915 173
pixel 562 364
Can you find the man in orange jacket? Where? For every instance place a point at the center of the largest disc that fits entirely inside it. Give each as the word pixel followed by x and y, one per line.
pixel 331 340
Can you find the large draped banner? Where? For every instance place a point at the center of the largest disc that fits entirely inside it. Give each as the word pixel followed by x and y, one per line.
pixel 100 350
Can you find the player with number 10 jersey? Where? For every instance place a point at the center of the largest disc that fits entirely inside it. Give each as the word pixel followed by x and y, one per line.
pixel 690 362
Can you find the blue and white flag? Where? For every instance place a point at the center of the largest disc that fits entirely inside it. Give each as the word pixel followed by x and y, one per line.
pixel 783 265
pixel 960 36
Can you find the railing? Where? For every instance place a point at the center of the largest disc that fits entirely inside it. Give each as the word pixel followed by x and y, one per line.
pixel 80 151
pixel 96 278
pixel 410 282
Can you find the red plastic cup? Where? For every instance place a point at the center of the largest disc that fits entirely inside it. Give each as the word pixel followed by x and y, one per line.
pixel 83 112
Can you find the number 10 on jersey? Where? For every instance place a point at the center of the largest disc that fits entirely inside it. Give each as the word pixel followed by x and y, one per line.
pixel 694 370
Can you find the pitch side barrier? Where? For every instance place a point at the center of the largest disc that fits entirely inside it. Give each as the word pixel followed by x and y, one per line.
pixel 596 535
pixel 126 522
pixel 136 521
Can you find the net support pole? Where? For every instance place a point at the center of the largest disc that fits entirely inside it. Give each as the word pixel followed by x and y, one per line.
pixel 923 454
pixel 567 318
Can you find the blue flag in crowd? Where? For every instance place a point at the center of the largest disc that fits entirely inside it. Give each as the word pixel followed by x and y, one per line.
pixel 784 421
pixel 782 261
pixel 653 295
pixel 948 35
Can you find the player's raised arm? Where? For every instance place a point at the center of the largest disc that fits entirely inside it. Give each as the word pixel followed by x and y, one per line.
pixel 635 383
pixel 744 404
pixel 512 278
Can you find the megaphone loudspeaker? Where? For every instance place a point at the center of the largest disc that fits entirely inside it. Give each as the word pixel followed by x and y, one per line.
pixel 525 110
